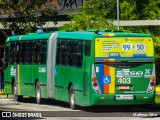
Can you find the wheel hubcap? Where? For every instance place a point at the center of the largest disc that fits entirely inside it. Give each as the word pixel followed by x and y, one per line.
pixel 38 94
pixel 14 90
pixel 72 98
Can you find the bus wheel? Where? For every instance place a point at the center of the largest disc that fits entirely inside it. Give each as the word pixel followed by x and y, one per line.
pixel 72 98
pixel 38 93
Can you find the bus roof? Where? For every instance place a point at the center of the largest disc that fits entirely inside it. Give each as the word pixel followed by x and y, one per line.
pixel 30 36
pixel 78 35
pixel 122 34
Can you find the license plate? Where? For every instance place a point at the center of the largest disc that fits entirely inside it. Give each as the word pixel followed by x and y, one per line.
pixel 124 97
pixel 124 87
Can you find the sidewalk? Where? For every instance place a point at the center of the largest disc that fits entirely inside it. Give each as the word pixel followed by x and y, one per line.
pixel 6 97
pixel 1 91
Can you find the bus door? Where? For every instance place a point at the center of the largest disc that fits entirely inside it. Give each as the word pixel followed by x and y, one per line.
pixel 51 65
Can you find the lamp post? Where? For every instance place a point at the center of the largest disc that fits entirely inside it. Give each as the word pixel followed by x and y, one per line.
pixel 118 14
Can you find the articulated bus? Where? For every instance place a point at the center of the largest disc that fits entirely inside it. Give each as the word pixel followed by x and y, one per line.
pixel 81 67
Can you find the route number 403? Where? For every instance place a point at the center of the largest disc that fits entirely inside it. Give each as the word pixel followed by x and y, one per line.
pixel 124 80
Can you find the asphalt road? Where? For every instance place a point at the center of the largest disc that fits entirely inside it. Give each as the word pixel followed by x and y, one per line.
pixel 51 109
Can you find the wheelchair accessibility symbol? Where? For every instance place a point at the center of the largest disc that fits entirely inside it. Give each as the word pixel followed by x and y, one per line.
pixel 107 79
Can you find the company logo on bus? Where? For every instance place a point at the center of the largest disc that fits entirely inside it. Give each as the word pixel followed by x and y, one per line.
pixel 147 73
pixel 128 73
pixel 12 71
pixel 42 70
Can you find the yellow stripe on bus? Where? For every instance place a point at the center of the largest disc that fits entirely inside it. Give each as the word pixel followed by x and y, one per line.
pixel 111 60
pixel 112 85
pixel 18 81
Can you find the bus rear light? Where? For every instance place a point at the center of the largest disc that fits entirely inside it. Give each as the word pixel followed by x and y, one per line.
pixel 95 84
pixel 94 78
pixel 153 78
pixel 94 81
pixel 152 83
pixel 108 35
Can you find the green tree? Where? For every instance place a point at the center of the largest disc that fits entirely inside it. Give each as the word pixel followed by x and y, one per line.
pixel 93 15
pixel 152 10
pixel 25 15
pixel 128 10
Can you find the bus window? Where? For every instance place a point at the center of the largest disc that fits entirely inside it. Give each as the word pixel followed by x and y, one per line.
pixel 62 52
pixel 5 58
pixel 36 50
pixel 17 52
pixel 58 52
pixel 43 52
pixel 20 53
pixel 12 53
pixel 30 50
pixel 71 52
pixel 79 53
pixel 24 53
pixel 87 49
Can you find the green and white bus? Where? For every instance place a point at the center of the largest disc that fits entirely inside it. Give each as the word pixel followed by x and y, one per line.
pixel 81 67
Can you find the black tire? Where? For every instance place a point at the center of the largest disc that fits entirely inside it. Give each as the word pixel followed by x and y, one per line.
pixel 38 93
pixel 72 98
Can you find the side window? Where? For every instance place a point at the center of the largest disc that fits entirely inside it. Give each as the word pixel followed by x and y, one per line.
pixel 24 52
pixel 43 50
pixel 79 54
pixel 38 52
pixel 58 52
pixel 12 53
pixel 5 58
pixel 17 52
pixel 63 55
pixel 29 53
pixel 70 53
pixel 87 49
pixel 35 53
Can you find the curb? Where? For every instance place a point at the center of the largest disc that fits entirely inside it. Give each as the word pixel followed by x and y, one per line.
pixel 6 96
